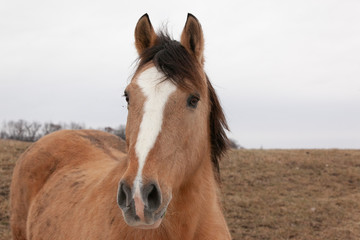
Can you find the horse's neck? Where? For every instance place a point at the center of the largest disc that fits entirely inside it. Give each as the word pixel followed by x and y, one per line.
pixel 195 202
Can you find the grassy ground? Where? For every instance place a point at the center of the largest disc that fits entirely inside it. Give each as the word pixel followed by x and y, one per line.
pixel 9 153
pixel 267 194
pixel 292 194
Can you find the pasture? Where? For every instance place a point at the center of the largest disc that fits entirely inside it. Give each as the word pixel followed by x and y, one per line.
pixel 267 194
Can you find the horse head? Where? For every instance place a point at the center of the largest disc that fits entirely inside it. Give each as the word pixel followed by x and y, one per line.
pixel 174 124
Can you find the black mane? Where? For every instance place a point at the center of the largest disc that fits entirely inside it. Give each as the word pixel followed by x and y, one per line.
pixel 177 64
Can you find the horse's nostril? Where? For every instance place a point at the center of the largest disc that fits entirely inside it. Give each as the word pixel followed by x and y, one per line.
pixel 152 196
pixel 124 195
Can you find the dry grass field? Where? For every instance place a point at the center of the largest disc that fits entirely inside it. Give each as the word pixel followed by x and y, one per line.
pixel 292 194
pixel 267 194
pixel 9 153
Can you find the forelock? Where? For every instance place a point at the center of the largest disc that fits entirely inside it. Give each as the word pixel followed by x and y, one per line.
pixel 174 61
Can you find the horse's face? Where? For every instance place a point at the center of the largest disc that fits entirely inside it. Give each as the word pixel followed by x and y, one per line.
pixel 167 134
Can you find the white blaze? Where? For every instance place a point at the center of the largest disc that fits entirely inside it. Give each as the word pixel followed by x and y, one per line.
pixel 157 93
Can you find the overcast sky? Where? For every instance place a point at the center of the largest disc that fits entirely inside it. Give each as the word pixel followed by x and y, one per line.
pixel 287 72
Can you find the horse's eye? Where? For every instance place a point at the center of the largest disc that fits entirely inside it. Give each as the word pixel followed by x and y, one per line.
pixel 126 97
pixel 193 100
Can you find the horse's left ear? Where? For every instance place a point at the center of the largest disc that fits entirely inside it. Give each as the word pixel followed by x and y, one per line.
pixel 192 38
pixel 145 35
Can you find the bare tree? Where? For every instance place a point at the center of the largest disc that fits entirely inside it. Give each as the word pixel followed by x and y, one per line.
pixel 4 134
pixel 50 127
pixel 234 144
pixel 32 130
pixel 120 131
pixel 16 129
pixel 109 130
pixel 76 126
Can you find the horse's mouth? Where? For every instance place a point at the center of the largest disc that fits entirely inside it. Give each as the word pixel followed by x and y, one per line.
pixel 150 222
pixel 155 225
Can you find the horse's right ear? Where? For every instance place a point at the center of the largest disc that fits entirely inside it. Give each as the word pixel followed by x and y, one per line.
pixel 145 35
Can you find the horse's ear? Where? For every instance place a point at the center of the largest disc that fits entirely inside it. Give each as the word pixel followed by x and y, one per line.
pixel 145 35
pixel 192 38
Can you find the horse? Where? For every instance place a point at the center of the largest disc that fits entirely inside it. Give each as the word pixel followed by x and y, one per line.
pixel 161 183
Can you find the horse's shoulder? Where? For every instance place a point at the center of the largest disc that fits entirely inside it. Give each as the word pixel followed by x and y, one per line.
pixel 55 154
pixel 80 137
pixel 102 139
pixel 68 148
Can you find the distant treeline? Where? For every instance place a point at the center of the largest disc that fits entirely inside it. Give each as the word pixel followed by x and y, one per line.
pixel 32 131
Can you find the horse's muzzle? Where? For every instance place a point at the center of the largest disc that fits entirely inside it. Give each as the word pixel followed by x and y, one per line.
pixel 144 210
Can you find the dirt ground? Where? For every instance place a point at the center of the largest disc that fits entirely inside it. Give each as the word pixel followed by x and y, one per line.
pixel 267 194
